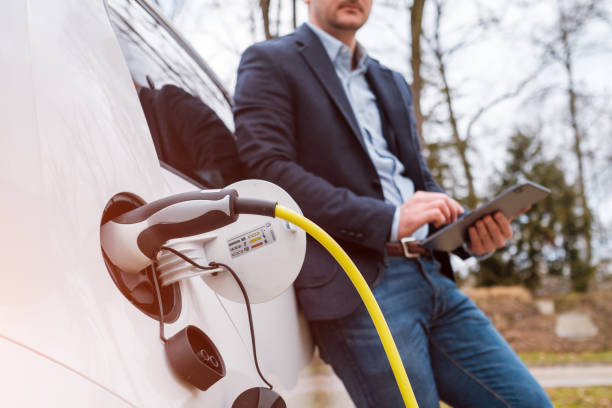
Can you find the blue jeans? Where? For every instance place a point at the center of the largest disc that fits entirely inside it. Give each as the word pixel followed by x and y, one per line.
pixel 449 348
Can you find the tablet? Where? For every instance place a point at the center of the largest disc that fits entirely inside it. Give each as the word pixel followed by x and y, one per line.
pixel 509 202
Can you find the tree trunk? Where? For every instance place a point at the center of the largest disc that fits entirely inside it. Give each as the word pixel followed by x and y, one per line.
pixel 573 111
pixel 278 18
pixel 471 200
pixel 416 30
pixel 265 14
pixel 461 145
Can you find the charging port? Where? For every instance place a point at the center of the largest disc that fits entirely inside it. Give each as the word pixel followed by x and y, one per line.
pixel 138 288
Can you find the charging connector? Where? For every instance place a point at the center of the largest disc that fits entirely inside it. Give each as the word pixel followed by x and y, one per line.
pixel 255 207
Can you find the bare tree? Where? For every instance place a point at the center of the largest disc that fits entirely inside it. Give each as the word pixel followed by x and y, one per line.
pixel 268 21
pixel 459 143
pixel 278 17
pixel 573 20
pixel 265 15
pixel 416 31
pixel 462 136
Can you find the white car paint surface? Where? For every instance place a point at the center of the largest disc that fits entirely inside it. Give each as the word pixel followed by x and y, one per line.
pixel 74 135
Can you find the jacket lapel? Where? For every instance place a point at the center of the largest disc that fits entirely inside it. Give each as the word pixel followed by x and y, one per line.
pixel 317 59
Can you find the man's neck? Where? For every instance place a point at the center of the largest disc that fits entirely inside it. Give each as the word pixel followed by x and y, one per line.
pixel 346 36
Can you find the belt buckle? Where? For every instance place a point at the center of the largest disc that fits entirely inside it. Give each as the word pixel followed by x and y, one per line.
pixel 407 254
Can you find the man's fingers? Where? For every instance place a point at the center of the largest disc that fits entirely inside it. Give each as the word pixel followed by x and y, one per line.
pixel 483 234
pixel 441 200
pixel 454 207
pixel 504 225
pixel 427 207
pixel 489 233
pixel 457 209
pixel 442 205
pixel 451 209
pixel 435 216
pixel 524 210
pixel 428 195
pixel 475 244
pixel 499 240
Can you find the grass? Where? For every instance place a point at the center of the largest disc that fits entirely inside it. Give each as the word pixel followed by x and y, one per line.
pixel 581 397
pixel 552 358
pixel 577 397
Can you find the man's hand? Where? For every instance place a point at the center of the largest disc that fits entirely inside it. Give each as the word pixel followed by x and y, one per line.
pixel 489 233
pixel 426 207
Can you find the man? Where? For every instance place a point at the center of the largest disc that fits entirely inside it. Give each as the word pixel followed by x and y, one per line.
pixel 336 129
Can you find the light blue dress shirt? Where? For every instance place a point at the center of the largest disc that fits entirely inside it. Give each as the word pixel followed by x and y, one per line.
pixel 396 188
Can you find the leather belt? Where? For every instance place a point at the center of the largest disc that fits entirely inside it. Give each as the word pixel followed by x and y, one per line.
pixel 408 247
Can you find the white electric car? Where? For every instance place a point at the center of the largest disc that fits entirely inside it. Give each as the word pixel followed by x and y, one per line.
pixel 76 151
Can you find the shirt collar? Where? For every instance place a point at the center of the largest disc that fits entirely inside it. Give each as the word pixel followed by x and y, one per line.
pixel 337 51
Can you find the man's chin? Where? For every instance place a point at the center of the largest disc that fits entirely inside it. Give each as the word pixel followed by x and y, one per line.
pixel 352 23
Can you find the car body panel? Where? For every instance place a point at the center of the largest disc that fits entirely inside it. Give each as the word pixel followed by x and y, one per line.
pixel 73 136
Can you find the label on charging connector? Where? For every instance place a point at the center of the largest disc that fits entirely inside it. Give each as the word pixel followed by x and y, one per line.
pixel 251 240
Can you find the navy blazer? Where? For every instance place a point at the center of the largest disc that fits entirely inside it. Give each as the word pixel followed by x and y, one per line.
pixel 296 128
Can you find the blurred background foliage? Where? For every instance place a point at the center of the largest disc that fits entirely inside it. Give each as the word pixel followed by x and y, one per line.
pixel 549 237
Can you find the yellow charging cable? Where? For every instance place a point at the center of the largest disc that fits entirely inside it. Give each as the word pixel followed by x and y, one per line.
pixel 366 295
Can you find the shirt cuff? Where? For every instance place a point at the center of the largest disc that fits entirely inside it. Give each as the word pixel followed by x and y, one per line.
pixel 479 257
pixel 395 225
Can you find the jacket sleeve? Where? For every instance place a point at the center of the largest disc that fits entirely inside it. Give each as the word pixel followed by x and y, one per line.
pixel 265 105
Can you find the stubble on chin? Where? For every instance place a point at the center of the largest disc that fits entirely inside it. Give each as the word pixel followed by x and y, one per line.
pixel 349 21
pixel 340 23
